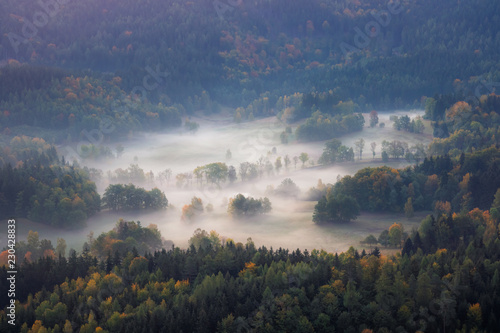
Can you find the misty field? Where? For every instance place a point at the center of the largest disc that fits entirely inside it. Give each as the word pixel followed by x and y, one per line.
pixel 288 225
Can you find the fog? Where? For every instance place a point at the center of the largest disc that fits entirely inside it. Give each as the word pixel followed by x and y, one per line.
pixel 288 225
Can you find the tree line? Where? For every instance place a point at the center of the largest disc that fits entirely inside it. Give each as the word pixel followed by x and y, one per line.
pixel 43 188
pixel 130 197
pixel 227 285
pixel 61 103
pixel 36 184
pixel 441 184
pixel 463 126
pixel 252 61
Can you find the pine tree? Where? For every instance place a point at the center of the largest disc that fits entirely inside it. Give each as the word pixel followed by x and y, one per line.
pixel 407 248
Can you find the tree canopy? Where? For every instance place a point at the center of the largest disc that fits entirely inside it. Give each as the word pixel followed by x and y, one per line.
pixel 336 208
pixel 241 206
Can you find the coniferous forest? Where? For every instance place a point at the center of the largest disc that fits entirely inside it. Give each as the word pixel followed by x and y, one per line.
pixel 236 166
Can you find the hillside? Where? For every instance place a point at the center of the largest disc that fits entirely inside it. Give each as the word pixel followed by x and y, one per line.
pixel 236 53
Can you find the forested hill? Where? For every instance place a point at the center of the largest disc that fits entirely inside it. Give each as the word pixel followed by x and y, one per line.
pixel 217 286
pixel 238 50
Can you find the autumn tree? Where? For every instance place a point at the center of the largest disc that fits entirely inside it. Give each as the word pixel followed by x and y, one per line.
pixel 442 207
pixel 193 210
pixel 202 239
pixel 474 315
pixel 459 115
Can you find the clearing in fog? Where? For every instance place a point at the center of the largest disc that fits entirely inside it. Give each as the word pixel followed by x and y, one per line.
pixel 288 225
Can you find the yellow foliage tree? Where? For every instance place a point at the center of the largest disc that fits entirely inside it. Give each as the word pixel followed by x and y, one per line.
pixel 181 286
pixel 442 207
pixel 250 267
pixel 474 315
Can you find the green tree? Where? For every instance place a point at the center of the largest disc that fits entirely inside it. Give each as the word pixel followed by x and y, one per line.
pixel 423 294
pixel 155 199
pixel 351 297
pixel 216 172
pixel 114 197
pixel 330 152
pixel 383 238
pixel 227 325
pixel 430 107
pixel 287 188
pixel 33 243
pixel 409 208
pixel 191 126
pixel 419 152
pixel 370 240
pixel 496 200
pixel 231 174
pixel 118 197
pixel 418 125
pixel 202 239
pixel 278 165
pixel 193 210
pixel 61 247
pixel 304 157
pixel 284 137
pixel 241 206
pixel 385 157
pixel 340 208
pixel 396 234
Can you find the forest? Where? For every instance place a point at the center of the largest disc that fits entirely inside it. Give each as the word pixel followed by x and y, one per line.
pixel 42 187
pixel 464 183
pixel 447 276
pixel 250 166
pixel 208 58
